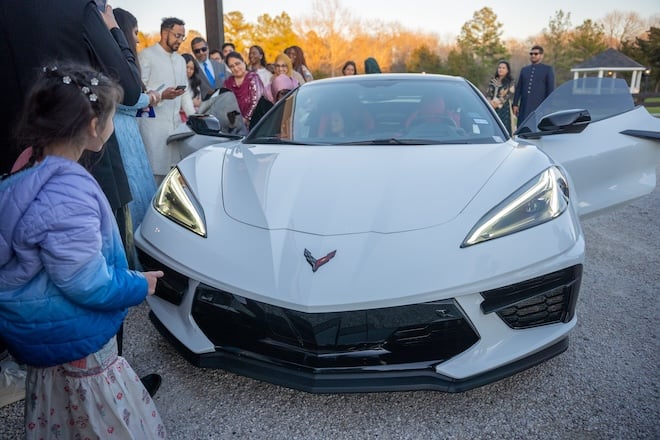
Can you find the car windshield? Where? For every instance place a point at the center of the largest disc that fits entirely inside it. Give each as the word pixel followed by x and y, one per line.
pixel 602 97
pixel 381 110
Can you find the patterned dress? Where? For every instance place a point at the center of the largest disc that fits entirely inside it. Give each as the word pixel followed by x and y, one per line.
pixel 500 96
pixel 97 397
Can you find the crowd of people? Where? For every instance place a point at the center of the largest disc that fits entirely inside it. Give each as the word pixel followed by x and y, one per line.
pixel 83 148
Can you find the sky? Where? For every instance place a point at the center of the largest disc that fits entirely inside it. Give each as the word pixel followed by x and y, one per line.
pixel 520 18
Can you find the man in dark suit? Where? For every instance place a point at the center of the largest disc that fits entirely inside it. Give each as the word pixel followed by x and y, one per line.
pixel 213 73
pixel 535 82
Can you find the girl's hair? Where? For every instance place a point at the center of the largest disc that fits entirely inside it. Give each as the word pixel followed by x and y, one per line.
pixel 263 55
pixel 127 22
pixel 350 63
pixel 284 59
pixel 371 66
pixel 508 78
pixel 61 105
pixel 300 57
pixel 194 81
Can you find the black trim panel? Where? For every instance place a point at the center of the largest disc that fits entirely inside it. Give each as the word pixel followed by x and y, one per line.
pixel 398 378
pixel 644 134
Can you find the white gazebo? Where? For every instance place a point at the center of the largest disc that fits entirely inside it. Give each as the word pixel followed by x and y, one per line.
pixel 608 63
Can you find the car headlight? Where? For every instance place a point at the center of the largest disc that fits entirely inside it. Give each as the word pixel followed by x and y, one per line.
pixel 175 200
pixel 540 200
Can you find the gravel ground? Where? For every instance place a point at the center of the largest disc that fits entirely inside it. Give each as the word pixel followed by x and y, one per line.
pixel 605 386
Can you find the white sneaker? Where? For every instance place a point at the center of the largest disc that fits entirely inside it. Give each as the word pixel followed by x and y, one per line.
pixel 12 382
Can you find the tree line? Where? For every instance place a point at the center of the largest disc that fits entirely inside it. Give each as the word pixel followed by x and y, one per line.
pixel 332 36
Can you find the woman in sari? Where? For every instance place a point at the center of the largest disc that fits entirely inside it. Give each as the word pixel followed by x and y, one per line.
pixel 246 85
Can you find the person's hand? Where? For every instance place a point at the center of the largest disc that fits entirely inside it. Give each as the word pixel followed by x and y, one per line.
pixel 154 97
pixel 171 93
pixel 109 17
pixel 514 109
pixel 152 278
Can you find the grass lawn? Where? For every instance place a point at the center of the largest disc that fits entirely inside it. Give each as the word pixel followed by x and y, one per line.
pixel 654 109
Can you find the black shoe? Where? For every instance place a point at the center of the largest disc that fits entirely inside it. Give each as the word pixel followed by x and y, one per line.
pixel 151 382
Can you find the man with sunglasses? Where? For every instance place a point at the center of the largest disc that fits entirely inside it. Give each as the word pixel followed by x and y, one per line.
pixel 164 69
pixel 213 72
pixel 535 82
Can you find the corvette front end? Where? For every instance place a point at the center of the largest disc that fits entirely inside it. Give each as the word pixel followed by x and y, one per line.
pixel 380 254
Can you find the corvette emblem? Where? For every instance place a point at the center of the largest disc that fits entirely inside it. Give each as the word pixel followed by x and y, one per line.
pixel 320 262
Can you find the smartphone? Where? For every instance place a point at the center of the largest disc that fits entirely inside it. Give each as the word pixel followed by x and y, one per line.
pixel 180 88
pixel 101 4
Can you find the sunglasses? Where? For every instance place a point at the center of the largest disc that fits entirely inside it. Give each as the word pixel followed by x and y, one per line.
pixel 534 54
pixel 201 49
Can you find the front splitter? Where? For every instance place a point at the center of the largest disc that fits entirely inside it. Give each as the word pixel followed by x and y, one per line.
pixel 397 378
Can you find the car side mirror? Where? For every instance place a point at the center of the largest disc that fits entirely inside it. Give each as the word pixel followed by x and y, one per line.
pixel 561 122
pixel 565 121
pixel 204 124
pixel 209 125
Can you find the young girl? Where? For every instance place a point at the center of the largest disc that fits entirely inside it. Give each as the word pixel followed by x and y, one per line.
pixel 64 281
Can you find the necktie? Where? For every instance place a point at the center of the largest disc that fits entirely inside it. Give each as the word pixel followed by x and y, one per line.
pixel 209 74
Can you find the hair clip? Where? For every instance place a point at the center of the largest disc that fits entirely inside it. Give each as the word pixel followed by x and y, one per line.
pixel 93 97
pixel 66 79
pixel 94 81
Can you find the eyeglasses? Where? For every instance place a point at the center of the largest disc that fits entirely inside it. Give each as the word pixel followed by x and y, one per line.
pixel 534 54
pixel 181 37
pixel 201 49
pixel 281 66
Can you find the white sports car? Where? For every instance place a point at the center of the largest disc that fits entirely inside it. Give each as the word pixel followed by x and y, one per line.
pixel 384 232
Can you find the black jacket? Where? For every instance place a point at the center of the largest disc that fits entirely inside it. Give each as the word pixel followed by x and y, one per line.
pixel 36 32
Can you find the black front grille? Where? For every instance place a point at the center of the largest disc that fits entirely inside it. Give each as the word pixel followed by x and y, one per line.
pixel 172 286
pixel 428 333
pixel 547 299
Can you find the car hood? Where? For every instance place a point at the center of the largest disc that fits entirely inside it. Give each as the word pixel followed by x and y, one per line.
pixel 350 190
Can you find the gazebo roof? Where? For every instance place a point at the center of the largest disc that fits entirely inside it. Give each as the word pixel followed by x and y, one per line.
pixel 611 59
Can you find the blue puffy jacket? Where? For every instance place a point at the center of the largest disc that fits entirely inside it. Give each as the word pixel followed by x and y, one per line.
pixel 64 282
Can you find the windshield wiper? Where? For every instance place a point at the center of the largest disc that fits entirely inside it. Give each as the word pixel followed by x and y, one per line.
pixel 403 141
pixel 274 140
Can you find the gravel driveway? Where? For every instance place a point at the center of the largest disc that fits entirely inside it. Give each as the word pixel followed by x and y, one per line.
pixel 605 386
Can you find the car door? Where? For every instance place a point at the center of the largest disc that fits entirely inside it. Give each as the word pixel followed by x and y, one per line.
pixel 615 158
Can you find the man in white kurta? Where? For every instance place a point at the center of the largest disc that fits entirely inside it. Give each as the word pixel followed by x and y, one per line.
pixel 163 69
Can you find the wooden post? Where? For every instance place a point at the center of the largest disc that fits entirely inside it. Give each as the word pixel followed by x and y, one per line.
pixel 215 31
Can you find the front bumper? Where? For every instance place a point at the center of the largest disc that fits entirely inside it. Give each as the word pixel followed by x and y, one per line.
pixel 410 347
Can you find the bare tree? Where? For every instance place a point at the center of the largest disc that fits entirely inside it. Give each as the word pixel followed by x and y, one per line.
pixel 621 27
pixel 331 23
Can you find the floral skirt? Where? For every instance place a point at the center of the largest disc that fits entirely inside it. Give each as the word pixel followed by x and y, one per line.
pixel 97 397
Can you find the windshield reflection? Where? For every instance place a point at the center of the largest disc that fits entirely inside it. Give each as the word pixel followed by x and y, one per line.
pixel 386 110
